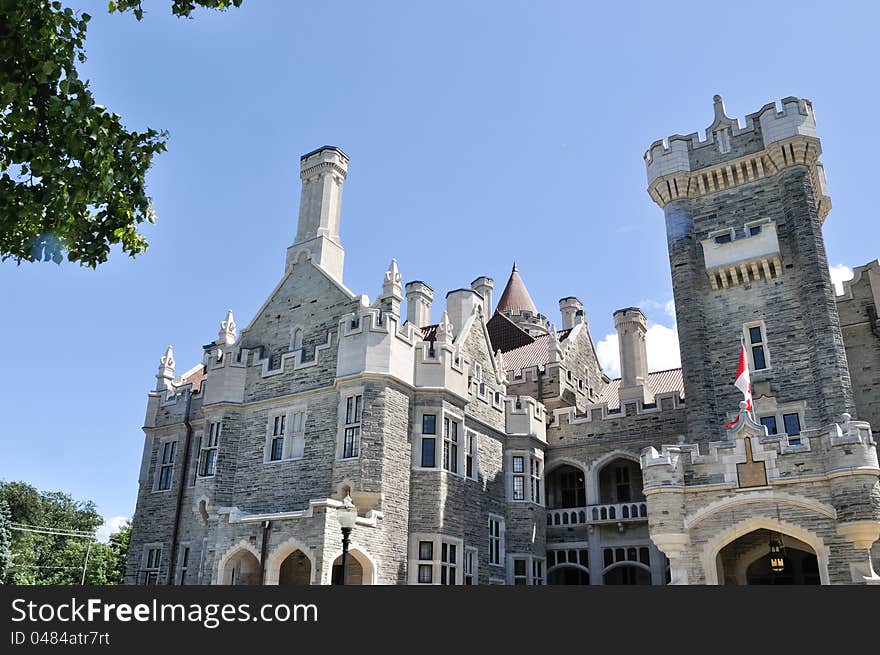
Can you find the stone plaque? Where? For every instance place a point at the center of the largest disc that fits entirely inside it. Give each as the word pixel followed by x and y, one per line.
pixel 751 473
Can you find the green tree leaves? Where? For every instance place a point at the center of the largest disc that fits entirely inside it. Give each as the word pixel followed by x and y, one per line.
pixel 47 559
pixel 72 177
pixel 5 541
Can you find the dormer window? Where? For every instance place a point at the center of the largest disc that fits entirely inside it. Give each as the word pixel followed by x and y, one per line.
pixel 754 230
pixel 723 238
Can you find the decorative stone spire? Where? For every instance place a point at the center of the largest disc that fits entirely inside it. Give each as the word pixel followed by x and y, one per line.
pixel 391 296
pixel 166 370
pixel 444 329
pixel 227 330
pixel 515 298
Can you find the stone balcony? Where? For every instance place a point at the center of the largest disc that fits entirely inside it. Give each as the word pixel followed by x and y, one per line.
pixel 747 259
pixel 598 514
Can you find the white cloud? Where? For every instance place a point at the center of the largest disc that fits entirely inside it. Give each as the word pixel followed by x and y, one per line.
pixel 111 525
pixel 839 273
pixel 661 342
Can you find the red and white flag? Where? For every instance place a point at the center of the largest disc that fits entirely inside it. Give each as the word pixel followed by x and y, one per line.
pixel 743 381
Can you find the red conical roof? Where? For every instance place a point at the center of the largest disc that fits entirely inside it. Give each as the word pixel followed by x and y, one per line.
pixel 515 299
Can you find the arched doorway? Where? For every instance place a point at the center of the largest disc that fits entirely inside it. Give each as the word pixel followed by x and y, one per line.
pixel 568 574
pixel 241 568
pixel 296 569
pixel 627 574
pixel 746 561
pixel 355 571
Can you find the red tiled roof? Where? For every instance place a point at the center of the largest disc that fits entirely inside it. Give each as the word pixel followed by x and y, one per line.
pixel 659 381
pixel 536 353
pixel 506 335
pixel 515 298
pixel 195 379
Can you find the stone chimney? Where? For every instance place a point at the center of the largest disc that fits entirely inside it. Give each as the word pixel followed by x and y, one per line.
pixel 322 172
pixel 632 327
pixel 483 286
pixel 461 304
pixel 572 311
pixel 419 297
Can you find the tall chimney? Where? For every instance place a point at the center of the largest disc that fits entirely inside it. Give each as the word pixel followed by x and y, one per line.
pixel 632 327
pixel 572 311
pixel 483 286
pixel 419 297
pixel 461 304
pixel 322 172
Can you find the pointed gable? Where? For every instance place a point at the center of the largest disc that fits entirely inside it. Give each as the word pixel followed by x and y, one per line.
pixel 515 298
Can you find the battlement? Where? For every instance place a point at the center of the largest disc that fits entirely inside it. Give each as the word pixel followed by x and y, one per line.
pixel 751 458
pixel 681 153
pixel 525 416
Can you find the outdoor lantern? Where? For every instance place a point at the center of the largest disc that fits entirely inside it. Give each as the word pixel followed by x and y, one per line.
pixel 347 514
pixel 777 562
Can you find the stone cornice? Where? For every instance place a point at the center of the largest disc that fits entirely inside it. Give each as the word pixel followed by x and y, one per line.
pixel 794 151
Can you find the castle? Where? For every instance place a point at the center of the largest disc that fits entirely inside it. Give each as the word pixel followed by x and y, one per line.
pixel 490 448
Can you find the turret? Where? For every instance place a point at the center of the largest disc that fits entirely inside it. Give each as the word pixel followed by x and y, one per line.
pixel 461 304
pixel 483 286
pixel 632 328
pixel 322 172
pixel 391 297
pixel 419 297
pixel 572 311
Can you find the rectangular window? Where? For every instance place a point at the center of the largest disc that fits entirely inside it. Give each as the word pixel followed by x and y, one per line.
pixel 151 565
pixel 496 540
pixel 470 566
pixel 537 572
pixel 429 424
pixel 166 470
pixel 621 478
pixel 297 434
pixel 277 452
pixel 429 445
pixel 448 563
pixel 450 445
pixel 208 456
pixel 426 554
pixel 758 347
pixel 770 423
pixel 470 456
pixel 536 480
pixel 722 238
pixel 754 230
pixel 518 465
pixel 352 435
pixel 519 487
pixel 184 564
pixel 519 572
pixel 792 424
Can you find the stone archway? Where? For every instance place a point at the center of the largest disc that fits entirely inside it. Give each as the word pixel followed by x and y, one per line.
pixel 568 574
pixel 751 538
pixel 295 569
pixel 240 566
pixel 627 573
pixel 746 561
pixel 361 568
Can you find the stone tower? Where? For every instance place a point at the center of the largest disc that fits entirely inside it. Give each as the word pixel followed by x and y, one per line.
pixel 744 209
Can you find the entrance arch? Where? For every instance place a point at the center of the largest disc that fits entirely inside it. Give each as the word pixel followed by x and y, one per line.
pixel 240 566
pixel 628 573
pixel 361 568
pixel 568 574
pixel 728 558
pixel 290 563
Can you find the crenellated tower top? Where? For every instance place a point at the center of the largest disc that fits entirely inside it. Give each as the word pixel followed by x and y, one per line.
pixel 730 154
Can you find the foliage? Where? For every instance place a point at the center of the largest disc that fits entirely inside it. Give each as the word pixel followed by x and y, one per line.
pixel 72 177
pixel 45 559
pixel 5 540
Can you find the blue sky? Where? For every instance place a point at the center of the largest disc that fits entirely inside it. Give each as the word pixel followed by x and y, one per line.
pixel 479 133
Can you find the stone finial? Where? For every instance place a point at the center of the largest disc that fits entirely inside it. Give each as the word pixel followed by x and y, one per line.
pixel 718 107
pixel 444 329
pixel 228 330
pixel 166 370
pixel 554 346
pixel 499 362
pixel 391 286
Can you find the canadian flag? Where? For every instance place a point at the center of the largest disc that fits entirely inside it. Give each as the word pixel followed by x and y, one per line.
pixel 743 381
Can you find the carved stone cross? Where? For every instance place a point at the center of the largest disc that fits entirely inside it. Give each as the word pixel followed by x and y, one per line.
pixel 751 473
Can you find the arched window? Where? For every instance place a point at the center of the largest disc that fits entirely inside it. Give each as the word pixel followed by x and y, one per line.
pixel 296 339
